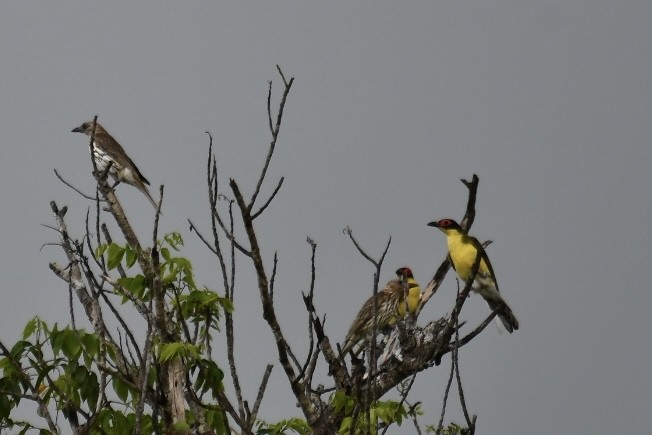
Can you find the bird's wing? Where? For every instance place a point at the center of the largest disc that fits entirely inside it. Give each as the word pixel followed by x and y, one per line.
pixel 117 153
pixel 485 257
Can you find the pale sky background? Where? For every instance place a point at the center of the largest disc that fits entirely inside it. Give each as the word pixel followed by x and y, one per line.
pixel 550 103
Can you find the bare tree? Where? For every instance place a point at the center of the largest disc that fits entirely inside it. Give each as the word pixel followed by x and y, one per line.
pixel 161 377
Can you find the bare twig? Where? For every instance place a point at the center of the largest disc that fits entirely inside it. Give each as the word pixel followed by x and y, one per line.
pixel 269 313
pixel 67 183
pixel 446 392
pixel 144 374
pixel 228 280
pixel 261 393
pixel 224 405
pixel 193 228
pixel 269 200
pixel 467 338
pixel 372 347
pixel 458 378
pixel 273 278
pixel 274 131
pixel 311 361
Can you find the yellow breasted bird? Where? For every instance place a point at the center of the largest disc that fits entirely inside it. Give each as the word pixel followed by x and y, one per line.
pixel 390 307
pixel 463 250
pixel 107 150
pixel 413 294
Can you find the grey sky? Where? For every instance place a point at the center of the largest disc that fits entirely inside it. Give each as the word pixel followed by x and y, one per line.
pixel 548 102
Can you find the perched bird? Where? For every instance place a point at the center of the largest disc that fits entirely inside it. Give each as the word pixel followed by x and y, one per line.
pixel 463 250
pixel 105 150
pixel 413 294
pixel 390 306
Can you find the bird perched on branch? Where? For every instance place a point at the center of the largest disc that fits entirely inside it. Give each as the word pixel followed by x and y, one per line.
pixel 463 251
pixel 107 150
pixel 391 304
pixel 413 293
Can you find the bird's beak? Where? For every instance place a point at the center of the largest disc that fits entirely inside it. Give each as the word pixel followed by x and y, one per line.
pixel 433 224
pixel 77 130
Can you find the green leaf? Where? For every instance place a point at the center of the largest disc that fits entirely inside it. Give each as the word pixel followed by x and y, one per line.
pixel 101 250
pixel 18 349
pixel 227 305
pixel 7 402
pixel 135 285
pixel 181 426
pixel 172 350
pixel 71 345
pixel 89 389
pixel 56 340
pixel 91 344
pixel 130 256
pixel 210 377
pixel 174 240
pixel 189 280
pixel 343 402
pixel 115 254
pixel 215 421
pixel 165 253
pixel 345 425
pixel 120 389
pixel 169 351
pixel 30 328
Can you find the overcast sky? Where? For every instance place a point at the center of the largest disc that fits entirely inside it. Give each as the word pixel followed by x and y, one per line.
pixel 550 103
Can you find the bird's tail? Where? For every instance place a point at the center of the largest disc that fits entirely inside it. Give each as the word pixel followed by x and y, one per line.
pixel 497 303
pixel 505 315
pixel 145 190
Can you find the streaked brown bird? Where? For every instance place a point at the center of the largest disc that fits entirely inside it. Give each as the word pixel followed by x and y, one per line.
pixel 105 150
pixel 390 307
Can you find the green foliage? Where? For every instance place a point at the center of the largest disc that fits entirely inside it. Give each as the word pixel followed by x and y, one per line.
pixel 208 377
pixel 292 425
pixel 66 368
pixel 342 402
pixel 201 307
pixel 214 419
pixel 387 412
pixel 56 364
pixel 112 421
pixel 115 253
pixel 136 285
pixel 451 429
pixel 186 351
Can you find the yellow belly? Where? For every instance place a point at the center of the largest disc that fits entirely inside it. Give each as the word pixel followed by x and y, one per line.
pixel 463 256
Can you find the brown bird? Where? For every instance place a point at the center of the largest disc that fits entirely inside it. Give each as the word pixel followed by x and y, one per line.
pixel 107 150
pixel 390 307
